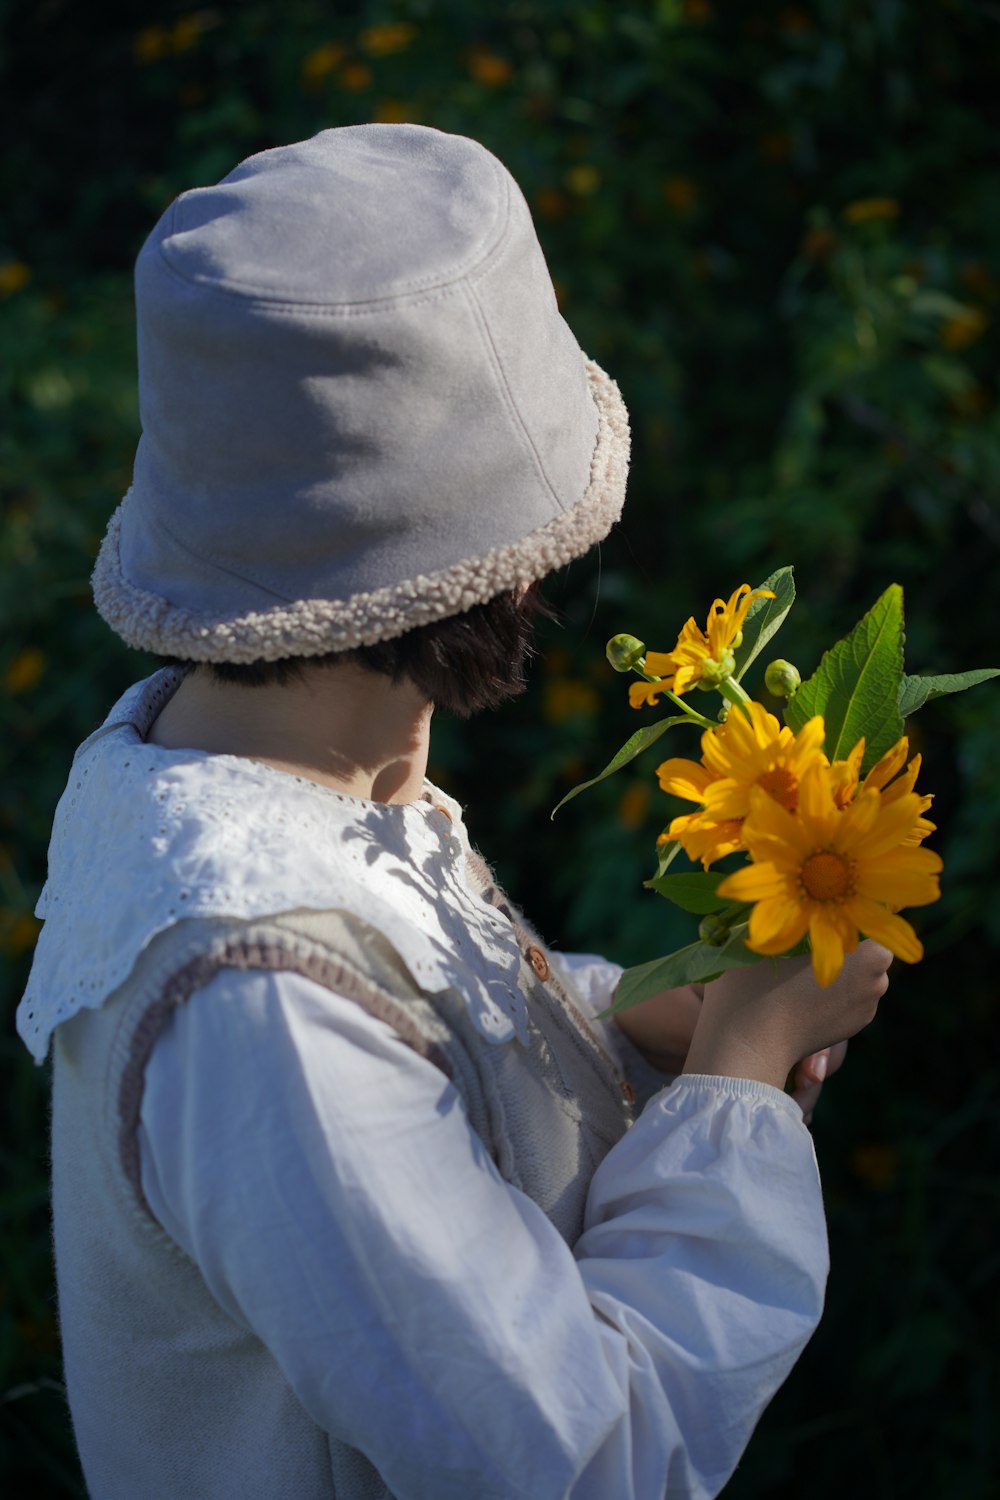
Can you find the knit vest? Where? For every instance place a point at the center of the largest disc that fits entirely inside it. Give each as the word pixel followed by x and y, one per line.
pixel 170 1395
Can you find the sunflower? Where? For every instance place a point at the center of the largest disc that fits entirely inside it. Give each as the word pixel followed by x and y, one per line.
pixel 742 753
pixel 834 872
pixel 700 655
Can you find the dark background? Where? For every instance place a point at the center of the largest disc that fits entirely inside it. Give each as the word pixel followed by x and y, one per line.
pixel 778 227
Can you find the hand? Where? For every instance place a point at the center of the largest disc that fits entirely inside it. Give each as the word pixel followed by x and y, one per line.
pixel 662 1026
pixel 806 1082
pixel 760 1022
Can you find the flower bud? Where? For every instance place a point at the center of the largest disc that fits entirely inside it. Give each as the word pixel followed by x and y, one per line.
pixel 713 671
pixel 624 652
pixel 714 930
pixel 782 679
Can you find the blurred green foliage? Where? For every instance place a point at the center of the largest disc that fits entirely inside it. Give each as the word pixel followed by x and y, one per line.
pixel 778 227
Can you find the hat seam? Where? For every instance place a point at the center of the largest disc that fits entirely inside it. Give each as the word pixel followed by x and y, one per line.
pixel 246 292
pixel 202 557
pixel 500 375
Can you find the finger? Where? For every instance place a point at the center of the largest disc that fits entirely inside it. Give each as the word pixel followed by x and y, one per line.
pixel 813 1069
pixel 807 1098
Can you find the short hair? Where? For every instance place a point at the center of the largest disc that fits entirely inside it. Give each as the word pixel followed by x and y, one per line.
pixel 464 663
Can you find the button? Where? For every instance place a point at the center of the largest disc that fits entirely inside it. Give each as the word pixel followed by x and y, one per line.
pixel 628 1092
pixel 539 963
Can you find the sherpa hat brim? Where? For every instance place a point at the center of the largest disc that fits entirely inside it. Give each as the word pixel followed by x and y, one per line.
pixel 311 627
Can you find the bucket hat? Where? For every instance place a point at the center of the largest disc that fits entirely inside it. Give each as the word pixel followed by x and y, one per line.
pixel 361 408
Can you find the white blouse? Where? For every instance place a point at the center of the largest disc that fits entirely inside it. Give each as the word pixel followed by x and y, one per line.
pixel 327 1183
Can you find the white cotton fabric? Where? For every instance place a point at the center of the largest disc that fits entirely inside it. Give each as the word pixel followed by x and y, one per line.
pixel 206 835
pixel 429 1314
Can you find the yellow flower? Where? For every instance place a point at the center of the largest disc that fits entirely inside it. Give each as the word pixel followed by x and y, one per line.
pixel 963 329
pixel 834 872
pixel 316 65
pixel 489 68
pixel 25 670
pixel 391 36
pixel 680 193
pixel 699 654
pixel 583 180
pixel 864 210
pixel 741 754
pixel 14 276
pixel 885 779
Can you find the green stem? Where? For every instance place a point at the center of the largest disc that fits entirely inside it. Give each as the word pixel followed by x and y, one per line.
pixel 686 710
pixel 731 690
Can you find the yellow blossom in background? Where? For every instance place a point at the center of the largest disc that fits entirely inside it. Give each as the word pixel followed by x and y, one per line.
pixel 14 277
pixel 697 12
pixel 963 329
pixel 318 64
pixel 150 44
pixel 393 36
pixel 818 243
pixel 700 655
pixel 489 68
pixel 25 670
pixel 741 754
pixel 18 932
pixel 154 42
pixel 680 193
pixel 550 203
pixel 834 873
pixel 777 146
pixel 867 210
pixel 634 804
pixel 356 76
pixel 567 698
pixel 186 32
pixel 979 279
pixel 395 112
pixel 583 180
pixel 876 1166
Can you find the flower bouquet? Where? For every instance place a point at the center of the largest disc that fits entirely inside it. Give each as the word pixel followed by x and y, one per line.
pixel 824 807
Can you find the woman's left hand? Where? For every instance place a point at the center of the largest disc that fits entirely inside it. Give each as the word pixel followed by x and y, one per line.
pixel 662 1026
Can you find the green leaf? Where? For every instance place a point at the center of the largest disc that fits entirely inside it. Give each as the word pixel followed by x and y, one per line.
pixel 856 686
pixel 695 964
pixel 765 617
pixel 692 891
pixel 914 692
pixel 640 741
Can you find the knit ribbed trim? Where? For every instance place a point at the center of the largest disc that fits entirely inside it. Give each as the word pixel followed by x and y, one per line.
pixel 311 627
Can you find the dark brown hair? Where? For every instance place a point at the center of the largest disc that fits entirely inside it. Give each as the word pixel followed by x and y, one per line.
pixel 465 663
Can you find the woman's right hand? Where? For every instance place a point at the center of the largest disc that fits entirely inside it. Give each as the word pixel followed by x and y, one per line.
pixel 759 1022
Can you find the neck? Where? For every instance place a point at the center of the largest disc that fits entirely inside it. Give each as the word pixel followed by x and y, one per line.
pixel 339 725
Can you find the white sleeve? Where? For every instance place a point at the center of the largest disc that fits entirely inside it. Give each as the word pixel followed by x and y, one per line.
pixel 327 1183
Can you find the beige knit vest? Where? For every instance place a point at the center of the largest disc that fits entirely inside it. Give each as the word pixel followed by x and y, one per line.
pixel 154 1366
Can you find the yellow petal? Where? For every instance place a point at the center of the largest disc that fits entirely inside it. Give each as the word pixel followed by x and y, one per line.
pixel 755 883
pixel 816 805
pixel 777 925
pixel 659 663
pixel 829 936
pixel 885 769
pixel 885 927
pixel 893 822
pixel 642 693
pixel 903 877
pixel 769 820
pixel 684 778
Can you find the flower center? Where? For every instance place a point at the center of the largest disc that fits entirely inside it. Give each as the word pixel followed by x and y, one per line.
pixel 782 786
pixel 826 876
